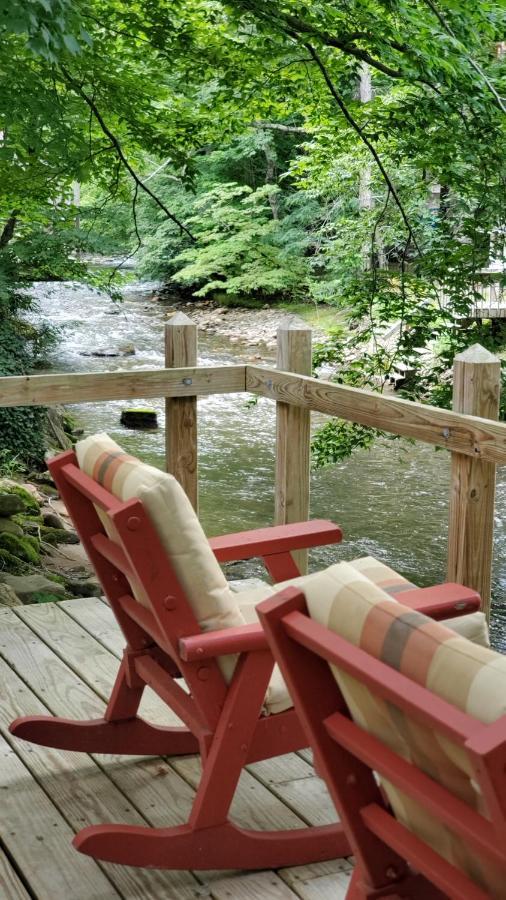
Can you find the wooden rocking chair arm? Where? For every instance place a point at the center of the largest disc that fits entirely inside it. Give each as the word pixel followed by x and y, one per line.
pixel 442 601
pixel 210 644
pixel 276 539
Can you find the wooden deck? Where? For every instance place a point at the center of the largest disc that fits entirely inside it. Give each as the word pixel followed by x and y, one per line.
pixel 62 658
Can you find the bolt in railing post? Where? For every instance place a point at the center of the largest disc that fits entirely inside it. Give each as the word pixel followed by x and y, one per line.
pixel 476 391
pixel 181 412
pixel 293 436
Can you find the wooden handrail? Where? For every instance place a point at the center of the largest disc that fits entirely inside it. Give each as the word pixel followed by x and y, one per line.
pixel 45 390
pixel 471 435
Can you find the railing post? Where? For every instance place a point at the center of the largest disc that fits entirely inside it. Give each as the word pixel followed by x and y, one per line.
pixel 181 412
pixel 476 391
pixel 293 436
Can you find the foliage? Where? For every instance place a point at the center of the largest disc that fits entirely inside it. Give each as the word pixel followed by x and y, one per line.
pixel 233 134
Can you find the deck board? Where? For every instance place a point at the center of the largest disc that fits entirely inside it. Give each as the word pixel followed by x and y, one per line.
pixel 63 658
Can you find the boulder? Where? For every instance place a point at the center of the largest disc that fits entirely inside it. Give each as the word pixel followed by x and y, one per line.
pixel 84 588
pixel 11 504
pixel 10 527
pixel 26 585
pixel 51 520
pixel 8 597
pixel 127 349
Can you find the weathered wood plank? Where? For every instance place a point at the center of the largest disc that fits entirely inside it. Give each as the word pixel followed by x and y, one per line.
pixel 97 618
pixel 82 793
pixel 181 412
pixel 39 839
pixel 293 780
pixel 11 888
pixel 476 391
pixel 293 437
pixel 321 881
pixel 85 656
pixel 476 437
pixel 79 788
pixel 264 885
pixel 46 390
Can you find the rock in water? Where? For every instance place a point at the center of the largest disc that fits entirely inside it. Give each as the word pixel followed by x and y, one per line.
pixel 139 418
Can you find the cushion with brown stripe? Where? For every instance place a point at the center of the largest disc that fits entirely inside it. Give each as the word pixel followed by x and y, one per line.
pixel 213 602
pixel 469 676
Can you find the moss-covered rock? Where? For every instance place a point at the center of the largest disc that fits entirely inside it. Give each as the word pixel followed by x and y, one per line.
pixel 58 536
pixel 24 519
pixel 29 504
pixel 10 527
pixel 25 547
pixel 10 504
pixel 11 564
pixel 45 597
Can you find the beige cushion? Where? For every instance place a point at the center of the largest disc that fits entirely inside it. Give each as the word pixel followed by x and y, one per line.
pixel 466 675
pixel 178 528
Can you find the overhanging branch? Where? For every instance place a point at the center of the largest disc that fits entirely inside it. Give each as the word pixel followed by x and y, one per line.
pixel 140 184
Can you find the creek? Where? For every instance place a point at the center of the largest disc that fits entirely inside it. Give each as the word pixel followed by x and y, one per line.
pixel 391 501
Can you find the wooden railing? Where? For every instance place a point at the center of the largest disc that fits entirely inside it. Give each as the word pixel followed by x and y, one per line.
pixel 471 432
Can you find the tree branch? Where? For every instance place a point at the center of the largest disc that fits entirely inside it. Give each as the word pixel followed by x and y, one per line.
pixel 119 151
pixel 363 137
pixel 8 229
pixel 274 126
pixel 442 21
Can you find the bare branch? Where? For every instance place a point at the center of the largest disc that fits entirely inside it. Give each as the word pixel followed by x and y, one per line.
pixel 363 137
pixel 119 151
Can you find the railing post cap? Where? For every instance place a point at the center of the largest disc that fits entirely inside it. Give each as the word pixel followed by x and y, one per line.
pixel 476 354
pixel 179 318
pixel 293 324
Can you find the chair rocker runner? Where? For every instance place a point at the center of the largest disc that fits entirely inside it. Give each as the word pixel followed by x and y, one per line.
pixel 408 723
pixel 180 620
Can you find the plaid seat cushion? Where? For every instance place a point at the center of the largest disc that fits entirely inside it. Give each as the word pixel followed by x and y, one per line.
pixel 469 676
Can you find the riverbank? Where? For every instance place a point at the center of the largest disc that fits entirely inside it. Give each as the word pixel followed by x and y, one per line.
pixel 41 557
pixel 249 328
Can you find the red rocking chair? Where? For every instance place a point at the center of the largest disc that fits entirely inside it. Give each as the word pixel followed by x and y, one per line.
pixel 187 639
pixel 407 723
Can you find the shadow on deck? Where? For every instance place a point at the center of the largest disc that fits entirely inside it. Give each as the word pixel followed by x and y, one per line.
pixel 63 658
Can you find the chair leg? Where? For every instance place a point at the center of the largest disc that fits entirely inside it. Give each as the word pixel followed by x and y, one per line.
pixel 129 736
pixel 223 846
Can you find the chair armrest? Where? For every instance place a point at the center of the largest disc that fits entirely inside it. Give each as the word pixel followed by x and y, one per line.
pixel 276 539
pixel 443 601
pixel 218 643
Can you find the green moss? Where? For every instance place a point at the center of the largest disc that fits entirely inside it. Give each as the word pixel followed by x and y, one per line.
pixel 45 597
pixel 58 536
pixel 27 519
pixel 25 547
pixel 140 409
pixel 31 504
pixel 12 564
pixel 58 579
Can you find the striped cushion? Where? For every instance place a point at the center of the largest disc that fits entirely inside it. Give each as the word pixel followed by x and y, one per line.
pixel 473 626
pixel 179 529
pixel 469 676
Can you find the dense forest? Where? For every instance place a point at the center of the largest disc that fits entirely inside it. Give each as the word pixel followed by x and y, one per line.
pixel 351 154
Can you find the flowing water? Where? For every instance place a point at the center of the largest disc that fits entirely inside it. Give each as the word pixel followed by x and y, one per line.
pixel 391 501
